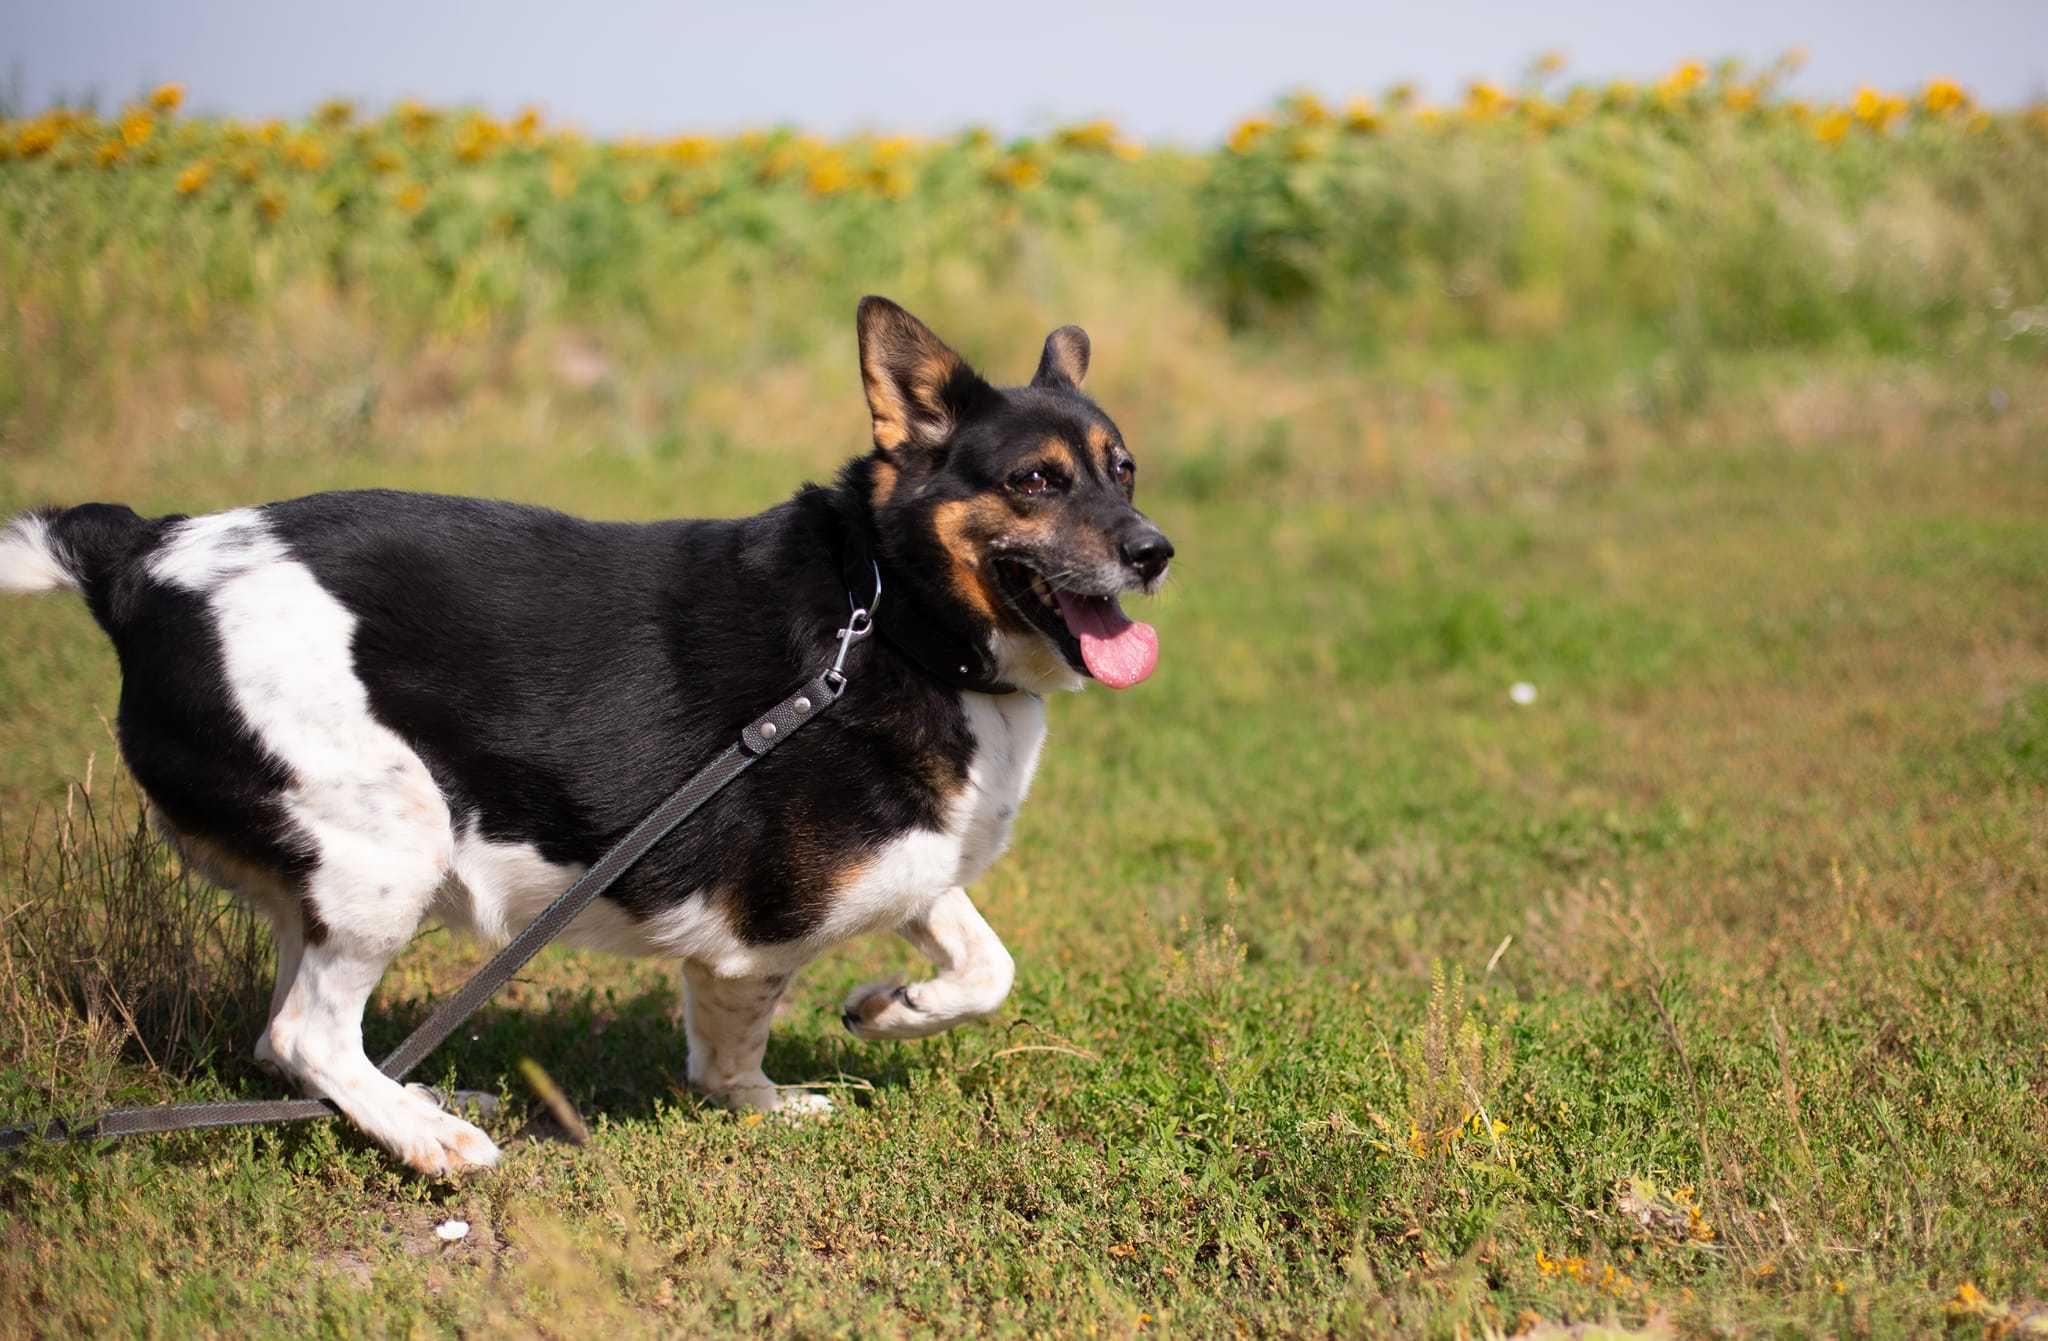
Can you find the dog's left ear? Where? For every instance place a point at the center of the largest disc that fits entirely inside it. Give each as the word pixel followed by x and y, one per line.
pixel 1065 361
pixel 918 389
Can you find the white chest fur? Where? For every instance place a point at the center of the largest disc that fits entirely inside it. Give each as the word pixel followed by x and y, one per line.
pixel 913 870
pixel 1008 731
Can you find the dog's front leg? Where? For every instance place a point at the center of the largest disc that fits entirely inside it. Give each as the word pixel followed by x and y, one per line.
pixel 974 975
pixel 727 1020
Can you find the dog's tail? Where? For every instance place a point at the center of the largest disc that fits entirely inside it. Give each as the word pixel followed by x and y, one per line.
pixel 79 548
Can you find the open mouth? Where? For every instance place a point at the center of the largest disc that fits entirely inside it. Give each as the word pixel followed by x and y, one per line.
pixel 1092 632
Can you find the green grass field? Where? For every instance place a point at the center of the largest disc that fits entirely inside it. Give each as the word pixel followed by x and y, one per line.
pixel 1700 995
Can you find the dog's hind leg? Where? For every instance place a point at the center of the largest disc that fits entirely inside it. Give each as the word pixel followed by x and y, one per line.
pixel 288 935
pixel 365 920
pixel 974 975
pixel 727 1021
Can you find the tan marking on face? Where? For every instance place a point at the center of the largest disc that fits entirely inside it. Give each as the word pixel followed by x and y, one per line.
pixel 882 479
pixel 965 527
pixel 1099 443
pixel 1058 453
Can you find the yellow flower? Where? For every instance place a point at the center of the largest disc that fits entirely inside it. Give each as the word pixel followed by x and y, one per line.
pixel 1541 113
pixel 1550 62
pixel 892 149
pixel 1248 134
pixel 526 126
pixel 413 198
pixel 270 203
pixel 828 175
pixel 1361 117
pixel 1309 110
pixel 1093 136
pixel 137 126
pixel 306 153
pixel 1739 97
pixel 194 178
pixel 167 97
pixel 335 112
pixel 414 118
pixel 1832 127
pixel 1619 94
pixel 1875 109
pixel 1020 172
pixel 110 152
pixel 636 190
pixel 1943 95
pixel 385 159
pixel 1485 100
pixel 561 179
pixel 1681 81
pixel 1967 1299
pixel 478 136
pixel 691 149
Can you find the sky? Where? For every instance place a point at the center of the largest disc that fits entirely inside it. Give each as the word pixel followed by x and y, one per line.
pixel 1183 72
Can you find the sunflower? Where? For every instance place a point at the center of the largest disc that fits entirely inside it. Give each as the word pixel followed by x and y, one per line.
pixel 1248 134
pixel 1942 96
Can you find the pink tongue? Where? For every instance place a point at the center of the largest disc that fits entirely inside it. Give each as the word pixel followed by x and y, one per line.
pixel 1118 650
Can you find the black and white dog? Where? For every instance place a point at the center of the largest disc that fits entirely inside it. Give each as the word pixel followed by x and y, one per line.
pixel 359 710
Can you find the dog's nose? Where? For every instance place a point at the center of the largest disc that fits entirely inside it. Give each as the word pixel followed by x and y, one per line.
pixel 1148 551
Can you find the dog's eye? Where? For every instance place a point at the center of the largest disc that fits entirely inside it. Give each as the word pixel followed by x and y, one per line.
pixel 1126 470
pixel 1030 482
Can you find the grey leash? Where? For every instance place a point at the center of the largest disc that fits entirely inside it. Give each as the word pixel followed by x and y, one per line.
pixel 760 735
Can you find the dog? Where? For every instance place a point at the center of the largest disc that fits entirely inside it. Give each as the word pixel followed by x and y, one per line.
pixel 360 710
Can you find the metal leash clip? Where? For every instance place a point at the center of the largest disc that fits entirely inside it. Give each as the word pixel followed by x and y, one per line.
pixel 859 625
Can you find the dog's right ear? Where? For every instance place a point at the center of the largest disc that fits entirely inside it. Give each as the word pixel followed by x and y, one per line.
pixel 918 389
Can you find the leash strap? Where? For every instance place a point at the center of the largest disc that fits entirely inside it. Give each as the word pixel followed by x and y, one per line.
pixel 761 735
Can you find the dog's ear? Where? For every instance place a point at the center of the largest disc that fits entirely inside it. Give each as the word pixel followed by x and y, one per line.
pixel 1065 361
pixel 918 390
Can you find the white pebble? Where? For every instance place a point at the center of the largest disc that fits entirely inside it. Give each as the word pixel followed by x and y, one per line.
pixel 1522 693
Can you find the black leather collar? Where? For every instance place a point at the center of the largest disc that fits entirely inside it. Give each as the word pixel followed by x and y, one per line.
pixel 906 626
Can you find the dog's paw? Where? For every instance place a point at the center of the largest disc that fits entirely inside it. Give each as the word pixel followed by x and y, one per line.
pixel 441 1145
pixel 802 1105
pixel 887 1010
pixel 758 1094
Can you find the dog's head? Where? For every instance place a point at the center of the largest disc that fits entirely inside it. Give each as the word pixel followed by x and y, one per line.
pixel 1010 507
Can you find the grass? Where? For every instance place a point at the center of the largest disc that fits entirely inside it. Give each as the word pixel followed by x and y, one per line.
pixel 1700 995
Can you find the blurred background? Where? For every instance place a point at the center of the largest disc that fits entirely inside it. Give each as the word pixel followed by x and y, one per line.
pixel 1607 452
